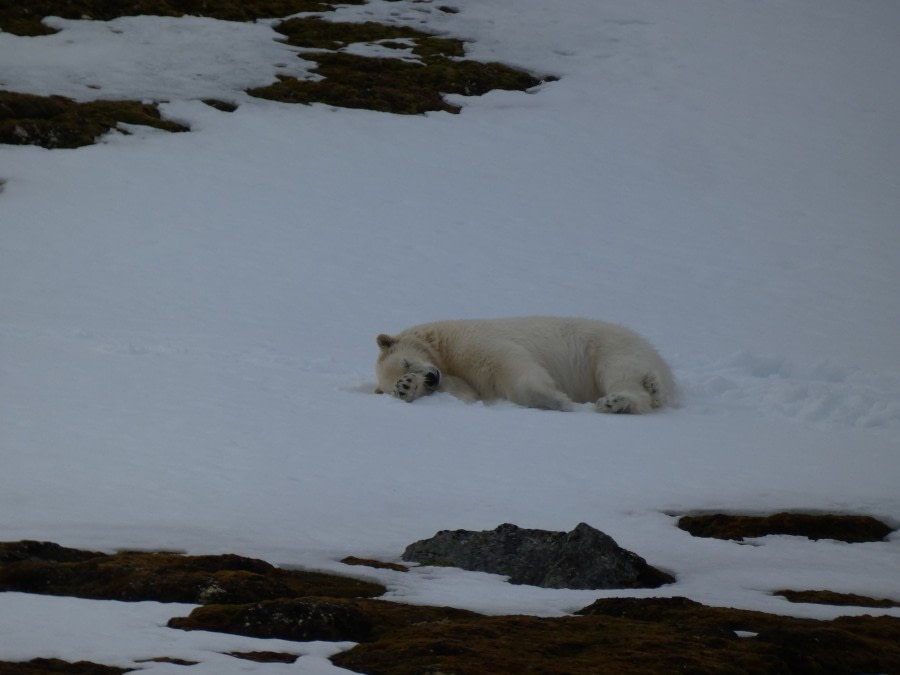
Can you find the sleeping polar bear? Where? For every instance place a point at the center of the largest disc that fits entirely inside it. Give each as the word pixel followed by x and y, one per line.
pixel 538 362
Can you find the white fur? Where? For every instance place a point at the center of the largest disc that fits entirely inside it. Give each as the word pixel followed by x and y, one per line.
pixel 539 362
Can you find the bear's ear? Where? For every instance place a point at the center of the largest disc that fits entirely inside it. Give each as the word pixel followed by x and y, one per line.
pixel 385 341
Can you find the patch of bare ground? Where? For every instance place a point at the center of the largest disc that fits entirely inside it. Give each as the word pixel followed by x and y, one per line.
pixel 839 599
pixel 631 635
pixel 250 597
pixel 24 18
pixel 168 659
pixel 395 85
pixel 377 564
pixel 317 618
pixel 58 667
pixel 848 528
pixel 266 657
pixel 59 122
pixel 414 85
pixel 170 577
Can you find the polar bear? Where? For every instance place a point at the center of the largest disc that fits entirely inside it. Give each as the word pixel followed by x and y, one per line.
pixel 538 362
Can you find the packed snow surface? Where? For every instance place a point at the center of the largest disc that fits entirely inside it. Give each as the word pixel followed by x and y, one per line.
pixel 188 321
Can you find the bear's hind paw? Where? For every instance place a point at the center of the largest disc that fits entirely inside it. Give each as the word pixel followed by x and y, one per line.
pixel 621 403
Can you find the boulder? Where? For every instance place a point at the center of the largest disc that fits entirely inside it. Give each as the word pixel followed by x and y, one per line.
pixel 584 558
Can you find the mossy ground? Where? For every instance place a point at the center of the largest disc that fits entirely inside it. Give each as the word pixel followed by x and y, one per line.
pixel 24 18
pixel 849 528
pixel 169 577
pixel 613 635
pixel 59 122
pixel 839 599
pixel 394 85
pixel 58 667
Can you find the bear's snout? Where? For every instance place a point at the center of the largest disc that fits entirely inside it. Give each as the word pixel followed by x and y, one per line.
pixel 432 378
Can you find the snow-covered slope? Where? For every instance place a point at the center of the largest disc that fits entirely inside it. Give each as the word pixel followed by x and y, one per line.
pixel 187 321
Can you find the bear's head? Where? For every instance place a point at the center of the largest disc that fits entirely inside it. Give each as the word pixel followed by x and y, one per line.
pixel 405 368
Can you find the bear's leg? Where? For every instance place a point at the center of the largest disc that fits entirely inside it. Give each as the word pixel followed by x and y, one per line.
pixel 458 388
pixel 534 388
pixel 628 388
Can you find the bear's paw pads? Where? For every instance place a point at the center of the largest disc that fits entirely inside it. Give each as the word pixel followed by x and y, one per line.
pixel 618 403
pixel 409 387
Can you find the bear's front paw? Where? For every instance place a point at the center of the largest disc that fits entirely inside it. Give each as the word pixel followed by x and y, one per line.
pixel 410 387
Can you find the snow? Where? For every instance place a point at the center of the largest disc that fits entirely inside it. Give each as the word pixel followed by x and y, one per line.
pixel 187 321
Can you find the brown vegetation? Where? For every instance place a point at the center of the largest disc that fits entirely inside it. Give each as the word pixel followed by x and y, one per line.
pixel 59 122
pixel 169 577
pixel 402 86
pixel 395 85
pixel 58 667
pixel 852 529
pixel 24 18
pixel 250 597
pixel 837 599
pixel 631 635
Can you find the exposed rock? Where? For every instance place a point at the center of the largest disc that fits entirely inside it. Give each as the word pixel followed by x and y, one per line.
pixel 852 529
pixel 169 577
pixel 583 558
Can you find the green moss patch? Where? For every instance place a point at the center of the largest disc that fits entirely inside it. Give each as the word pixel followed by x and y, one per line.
pixel 58 667
pixel 852 529
pixel 631 635
pixel 24 18
pixel 312 618
pixel 392 85
pixel 266 657
pixel 316 33
pixel 832 598
pixel 378 564
pixel 613 635
pixel 386 84
pixel 224 106
pixel 621 635
pixel 168 577
pixel 59 122
pixel 413 85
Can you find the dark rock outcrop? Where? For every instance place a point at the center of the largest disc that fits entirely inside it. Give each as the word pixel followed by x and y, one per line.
pixel 584 558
